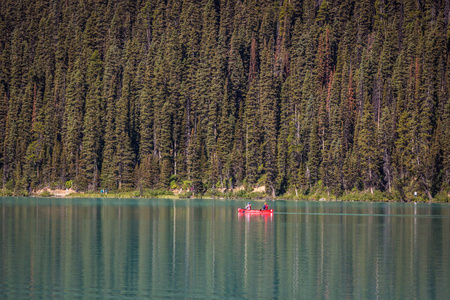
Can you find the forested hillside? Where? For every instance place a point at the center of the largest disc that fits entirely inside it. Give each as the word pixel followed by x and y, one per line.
pixel 346 95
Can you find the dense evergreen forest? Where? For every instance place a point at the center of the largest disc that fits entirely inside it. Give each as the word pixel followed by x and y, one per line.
pixel 345 95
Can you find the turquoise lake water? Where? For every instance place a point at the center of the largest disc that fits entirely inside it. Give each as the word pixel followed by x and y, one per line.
pixel 202 249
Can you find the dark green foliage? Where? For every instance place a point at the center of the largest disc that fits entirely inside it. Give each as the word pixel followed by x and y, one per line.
pixel 301 97
pixel 367 148
pixel 92 128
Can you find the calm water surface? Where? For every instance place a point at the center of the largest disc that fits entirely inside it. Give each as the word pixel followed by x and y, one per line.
pixel 157 248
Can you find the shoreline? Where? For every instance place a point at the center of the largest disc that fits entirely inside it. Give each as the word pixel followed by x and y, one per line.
pixel 238 196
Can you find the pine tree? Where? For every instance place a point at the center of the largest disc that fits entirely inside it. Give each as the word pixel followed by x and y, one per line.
pixel 445 148
pixel 124 157
pixel 165 144
pixel 335 128
pixel 268 95
pixel 73 119
pixel 251 130
pixel 146 117
pixel 402 157
pixel 34 158
pixel 367 148
pixel 363 13
pixel 349 113
pixel 386 144
pixel 92 127
pixel 283 141
pixel 225 139
pixel 239 152
pixel 313 155
pixel 111 84
pixel 197 162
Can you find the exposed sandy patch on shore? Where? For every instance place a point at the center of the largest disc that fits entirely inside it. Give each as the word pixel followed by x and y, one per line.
pixel 261 189
pixel 56 192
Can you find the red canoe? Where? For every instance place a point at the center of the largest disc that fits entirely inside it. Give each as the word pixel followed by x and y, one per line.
pixel 255 211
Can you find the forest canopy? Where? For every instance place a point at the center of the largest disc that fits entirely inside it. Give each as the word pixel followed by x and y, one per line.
pixel 349 95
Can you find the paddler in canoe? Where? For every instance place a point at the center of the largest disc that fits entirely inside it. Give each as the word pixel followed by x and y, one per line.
pixel 265 206
pixel 249 206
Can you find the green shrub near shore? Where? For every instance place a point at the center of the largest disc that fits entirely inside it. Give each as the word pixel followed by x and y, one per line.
pixel 9 193
pixel 45 194
pixel 6 193
pixel 364 196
